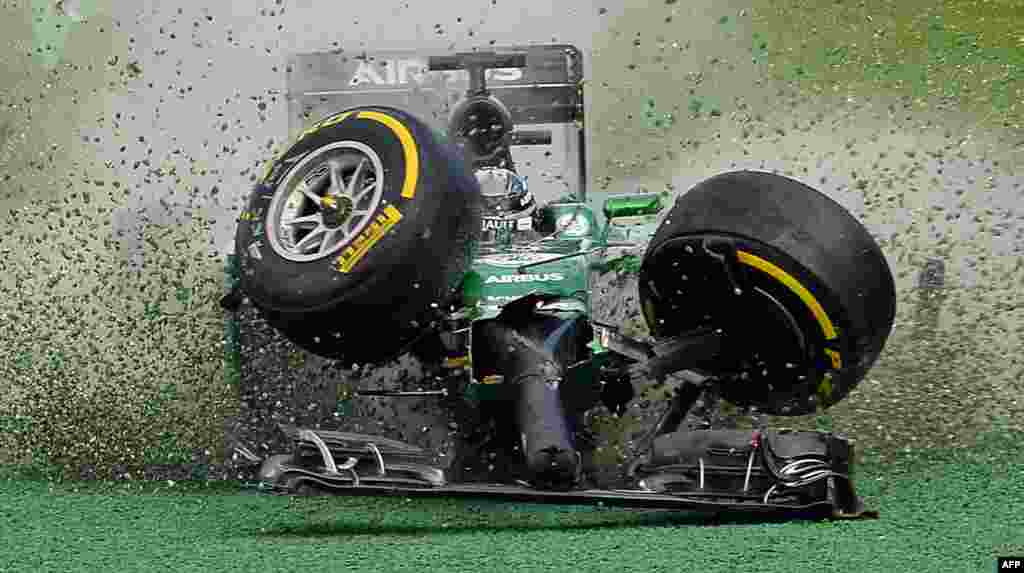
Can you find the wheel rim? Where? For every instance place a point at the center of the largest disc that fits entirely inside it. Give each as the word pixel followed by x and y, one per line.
pixel 325 202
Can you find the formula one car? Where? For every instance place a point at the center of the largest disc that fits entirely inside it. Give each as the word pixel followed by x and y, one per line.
pixel 377 235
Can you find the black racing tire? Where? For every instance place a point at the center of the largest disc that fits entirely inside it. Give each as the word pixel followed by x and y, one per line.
pixel 817 299
pixel 401 242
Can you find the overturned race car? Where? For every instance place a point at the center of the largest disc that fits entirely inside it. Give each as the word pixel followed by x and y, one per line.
pixel 753 285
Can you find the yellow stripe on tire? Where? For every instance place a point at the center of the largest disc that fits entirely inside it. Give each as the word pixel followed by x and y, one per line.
pixel 801 291
pixel 837 362
pixel 412 161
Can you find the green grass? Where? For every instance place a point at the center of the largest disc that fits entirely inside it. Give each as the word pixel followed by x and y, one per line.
pixel 940 511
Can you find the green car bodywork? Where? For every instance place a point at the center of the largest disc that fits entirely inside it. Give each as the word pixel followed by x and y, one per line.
pixel 562 265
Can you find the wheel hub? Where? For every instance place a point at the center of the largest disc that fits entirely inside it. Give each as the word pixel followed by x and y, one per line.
pixel 325 202
pixel 768 326
pixel 336 211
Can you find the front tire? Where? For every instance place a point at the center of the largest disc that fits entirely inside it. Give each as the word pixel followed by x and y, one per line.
pixel 359 234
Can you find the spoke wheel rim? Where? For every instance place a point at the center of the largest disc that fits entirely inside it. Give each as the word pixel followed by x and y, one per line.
pixel 325 202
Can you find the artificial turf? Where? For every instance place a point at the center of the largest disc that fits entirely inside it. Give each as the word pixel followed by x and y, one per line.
pixel 939 512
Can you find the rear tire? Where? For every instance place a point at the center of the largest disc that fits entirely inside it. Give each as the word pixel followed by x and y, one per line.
pixel 818 298
pixel 364 226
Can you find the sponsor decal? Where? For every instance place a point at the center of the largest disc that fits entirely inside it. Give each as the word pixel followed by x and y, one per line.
pixel 374 232
pixel 524 278
pixel 513 260
pixel 490 224
pixel 406 71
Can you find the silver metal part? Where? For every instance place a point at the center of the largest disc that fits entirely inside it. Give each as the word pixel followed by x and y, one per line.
pixel 381 470
pixel 325 452
pixel 325 201
pixel 750 467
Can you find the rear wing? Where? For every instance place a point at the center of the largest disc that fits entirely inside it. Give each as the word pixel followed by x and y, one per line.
pixel 546 93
